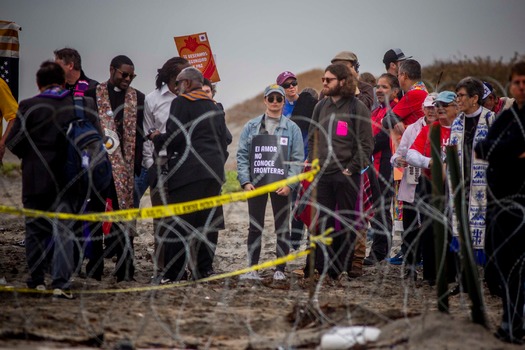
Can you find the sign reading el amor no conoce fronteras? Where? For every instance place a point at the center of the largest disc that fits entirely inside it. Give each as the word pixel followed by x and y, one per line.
pixel 268 155
pixel 197 50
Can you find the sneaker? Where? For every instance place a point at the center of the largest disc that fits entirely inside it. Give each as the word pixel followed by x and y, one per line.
pixel 252 275
pixel 279 276
pixel 369 261
pixel 41 287
pixel 397 259
pixel 62 294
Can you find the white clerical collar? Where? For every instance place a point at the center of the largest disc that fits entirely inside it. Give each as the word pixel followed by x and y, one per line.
pixel 475 114
pixel 116 89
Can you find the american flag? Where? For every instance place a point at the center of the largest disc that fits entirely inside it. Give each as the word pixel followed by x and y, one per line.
pixel 9 54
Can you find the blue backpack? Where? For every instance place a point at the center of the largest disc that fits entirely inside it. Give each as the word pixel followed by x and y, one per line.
pixel 88 169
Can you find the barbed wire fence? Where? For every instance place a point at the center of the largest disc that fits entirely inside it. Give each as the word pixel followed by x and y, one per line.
pixel 222 311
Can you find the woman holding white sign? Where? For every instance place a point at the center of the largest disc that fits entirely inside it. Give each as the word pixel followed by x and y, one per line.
pixel 270 149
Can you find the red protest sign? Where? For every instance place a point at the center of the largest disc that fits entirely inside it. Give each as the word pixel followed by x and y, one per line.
pixel 196 49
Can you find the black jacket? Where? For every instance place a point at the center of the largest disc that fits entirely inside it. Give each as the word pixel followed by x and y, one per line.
pixel 38 138
pixel 197 146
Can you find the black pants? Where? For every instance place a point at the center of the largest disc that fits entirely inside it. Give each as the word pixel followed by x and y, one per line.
pixel 49 241
pixel 505 248
pixel 381 223
pixel 410 245
pixel 339 192
pixel 297 225
pixel 185 230
pixel 427 238
pixel 118 242
pixel 281 215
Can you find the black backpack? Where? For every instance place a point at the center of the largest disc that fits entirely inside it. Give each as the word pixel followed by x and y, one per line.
pixel 88 169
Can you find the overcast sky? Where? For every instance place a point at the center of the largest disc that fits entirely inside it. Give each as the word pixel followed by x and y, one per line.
pixel 253 41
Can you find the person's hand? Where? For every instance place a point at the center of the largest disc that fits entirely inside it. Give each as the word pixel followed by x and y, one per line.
pixel 399 128
pixel 401 162
pixel 153 135
pixel 248 187
pixel 283 191
pixel 520 156
pixel 347 172
pixel 430 163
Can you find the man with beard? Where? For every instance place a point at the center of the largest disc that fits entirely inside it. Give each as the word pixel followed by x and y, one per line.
pixel 196 140
pixel 341 137
pixel 364 91
pixel 121 111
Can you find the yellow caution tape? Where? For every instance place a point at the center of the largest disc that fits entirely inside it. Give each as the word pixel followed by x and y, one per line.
pixel 319 239
pixel 167 210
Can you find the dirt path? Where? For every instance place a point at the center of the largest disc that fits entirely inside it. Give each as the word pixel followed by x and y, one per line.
pixel 226 314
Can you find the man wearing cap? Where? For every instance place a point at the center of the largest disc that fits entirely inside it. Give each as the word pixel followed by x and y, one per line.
pixel 492 102
pixel 276 127
pixel 196 142
pixel 364 92
pixel 341 136
pixel 392 58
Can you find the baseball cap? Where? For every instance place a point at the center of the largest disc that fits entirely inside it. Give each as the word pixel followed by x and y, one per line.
pixel 345 56
pixel 394 55
pixel 487 89
pixel 429 100
pixel 273 88
pixel 281 78
pixel 445 97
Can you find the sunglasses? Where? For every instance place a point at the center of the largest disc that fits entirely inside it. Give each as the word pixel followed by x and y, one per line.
pixel 327 80
pixel 125 75
pixel 279 99
pixel 287 85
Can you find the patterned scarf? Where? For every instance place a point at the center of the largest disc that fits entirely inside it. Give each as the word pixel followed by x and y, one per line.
pixel 55 92
pixel 477 202
pixel 418 86
pixel 195 95
pixel 122 163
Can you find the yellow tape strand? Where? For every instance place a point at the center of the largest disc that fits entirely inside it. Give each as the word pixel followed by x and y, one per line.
pixel 320 239
pixel 167 210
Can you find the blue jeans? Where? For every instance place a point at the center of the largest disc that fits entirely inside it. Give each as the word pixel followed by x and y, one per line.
pixel 141 185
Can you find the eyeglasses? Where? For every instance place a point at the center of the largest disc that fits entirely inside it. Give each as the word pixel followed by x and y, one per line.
pixel 287 85
pixel 328 80
pixel 126 75
pixel 279 99
pixel 461 95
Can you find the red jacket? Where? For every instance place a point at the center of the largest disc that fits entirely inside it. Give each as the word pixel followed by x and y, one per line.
pixel 410 107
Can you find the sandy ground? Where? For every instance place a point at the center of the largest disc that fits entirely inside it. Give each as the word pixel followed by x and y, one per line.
pixel 228 313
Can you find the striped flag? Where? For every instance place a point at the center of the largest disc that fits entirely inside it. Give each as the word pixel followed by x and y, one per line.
pixel 9 54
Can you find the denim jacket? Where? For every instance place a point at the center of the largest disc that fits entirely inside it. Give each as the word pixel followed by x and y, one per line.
pixel 286 128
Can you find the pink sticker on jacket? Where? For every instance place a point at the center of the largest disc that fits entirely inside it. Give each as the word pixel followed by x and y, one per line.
pixel 342 128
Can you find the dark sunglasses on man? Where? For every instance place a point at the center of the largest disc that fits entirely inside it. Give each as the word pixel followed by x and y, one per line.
pixel 126 75
pixel 287 85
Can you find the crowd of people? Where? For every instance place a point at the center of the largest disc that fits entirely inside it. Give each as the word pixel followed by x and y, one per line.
pixel 372 140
